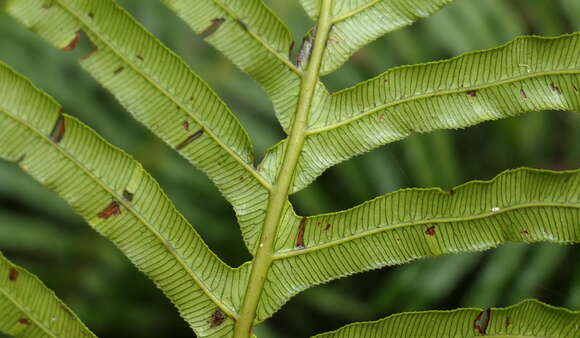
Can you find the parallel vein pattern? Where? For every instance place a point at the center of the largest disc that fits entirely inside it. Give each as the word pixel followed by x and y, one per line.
pixel 358 22
pixel 529 318
pixel 29 309
pixel 255 39
pixel 528 74
pixel 521 205
pixel 161 91
pixel 120 200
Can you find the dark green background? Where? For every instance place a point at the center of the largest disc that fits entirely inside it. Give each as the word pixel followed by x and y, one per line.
pixel 40 232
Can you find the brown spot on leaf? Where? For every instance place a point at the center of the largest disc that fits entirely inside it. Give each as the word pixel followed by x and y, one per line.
pixel 113 209
pixel 481 322
pixel 242 179
pixel 13 275
pixel 242 24
pixel 523 93
pixel 72 45
pixel 290 50
pixel 451 192
pixel 508 322
pixel 190 139
pixel 301 229
pixel 128 196
pixel 217 318
pixel 140 58
pixel 430 231
pixel 21 158
pixel 24 321
pixel 185 125
pixel 472 93
pixel 327 227
pixel 57 133
pixel 525 232
pixel 555 88
pixel 118 70
pixel 213 27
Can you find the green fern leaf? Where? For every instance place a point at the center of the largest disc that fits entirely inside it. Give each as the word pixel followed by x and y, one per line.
pixel 163 94
pixel 522 205
pixel 358 22
pixel 527 74
pixel 120 200
pixel 256 41
pixel 29 309
pixel 529 318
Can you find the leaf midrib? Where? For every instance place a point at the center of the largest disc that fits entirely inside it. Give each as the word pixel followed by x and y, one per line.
pixel 437 94
pixel 153 82
pixel 261 41
pixel 354 12
pixel 287 253
pixel 119 199
pixel 23 309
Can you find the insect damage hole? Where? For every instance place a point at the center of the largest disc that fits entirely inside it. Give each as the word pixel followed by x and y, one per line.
pixel 212 28
pixel 301 229
pixel 128 196
pixel 190 139
pixel 430 231
pixel 57 133
pixel 481 322
pixel 73 43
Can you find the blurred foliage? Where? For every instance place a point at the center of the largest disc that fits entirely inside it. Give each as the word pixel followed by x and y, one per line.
pixel 40 232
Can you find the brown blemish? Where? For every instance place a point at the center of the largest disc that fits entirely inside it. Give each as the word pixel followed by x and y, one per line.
pixel 451 192
pixel 128 196
pixel 118 70
pixel 242 179
pixel 24 321
pixel 185 125
pixel 472 93
pixel 381 117
pixel 306 49
pixel 242 24
pixel 217 318
pixel 21 159
pixel 290 50
pixel 301 229
pixel 508 322
pixel 113 209
pixel 430 231
pixel 73 43
pixel 190 139
pixel 523 93
pixel 555 88
pixel 13 275
pixel 327 227
pixel 213 27
pixel 525 232
pixel 57 133
pixel 140 58
pixel 481 322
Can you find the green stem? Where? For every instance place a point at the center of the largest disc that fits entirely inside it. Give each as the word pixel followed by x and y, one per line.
pixel 279 194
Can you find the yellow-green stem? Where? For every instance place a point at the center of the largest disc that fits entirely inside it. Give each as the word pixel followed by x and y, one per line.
pixel 279 194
